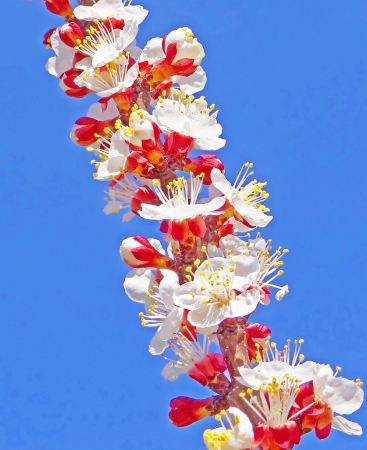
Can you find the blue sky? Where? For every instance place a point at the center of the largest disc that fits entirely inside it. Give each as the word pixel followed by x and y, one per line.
pixel 289 78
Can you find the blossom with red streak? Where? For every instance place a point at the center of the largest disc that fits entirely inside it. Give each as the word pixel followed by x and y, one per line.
pixel 245 200
pixel 142 134
pixel 183 55
pixel 325 395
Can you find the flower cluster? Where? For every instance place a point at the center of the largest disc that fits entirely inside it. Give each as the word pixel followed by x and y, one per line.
pixel 199 292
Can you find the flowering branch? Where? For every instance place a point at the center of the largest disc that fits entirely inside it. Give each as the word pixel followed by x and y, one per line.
pixel 200 292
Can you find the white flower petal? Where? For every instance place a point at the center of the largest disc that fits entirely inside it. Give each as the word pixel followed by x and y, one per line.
pixel 206 316
pixel 95 111
pixel 110 8
pixel 112 207
pixel 346 426
pixel 153 51
pixel 167 287
pixel 209 143
pixel 193 83
pixel 182 295
pixel 319 382
pixel 137 284
pixel 342 395
pixel 221 182
pixel 305 372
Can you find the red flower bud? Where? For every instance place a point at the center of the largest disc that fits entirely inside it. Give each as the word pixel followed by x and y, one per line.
pixel 204 164
pixel 69 33
pixel 137 252
pixel 143 195
pixel 60 8
pixel 185 410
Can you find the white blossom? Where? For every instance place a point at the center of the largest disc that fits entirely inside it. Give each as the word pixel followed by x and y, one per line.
pixel 219 290
pixel 237 436
pixel 111 8
pixel 191 117
pixel 181 202
pixel 246 200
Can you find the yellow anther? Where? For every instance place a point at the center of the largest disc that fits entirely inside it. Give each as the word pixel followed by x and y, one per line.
pixel 338 369
pixel 188 269
pixel 223 413
pixel 197 262
pixel 189 277
pixel 301 341
pixel 242 394
pixel 301 357
pixel 192 294
pixel 217 417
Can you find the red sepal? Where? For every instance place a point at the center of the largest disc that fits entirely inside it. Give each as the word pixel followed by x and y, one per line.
pixel 208 368
pixel 197 226
pixel 69 33
pixel 143 195
pixel 178 145
pixel 47 37
pixel 204 164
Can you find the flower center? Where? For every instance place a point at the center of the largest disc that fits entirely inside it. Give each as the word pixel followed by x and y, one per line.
pixel 180 193
pixel 215 440
pixel 109 75
pixel 96 39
